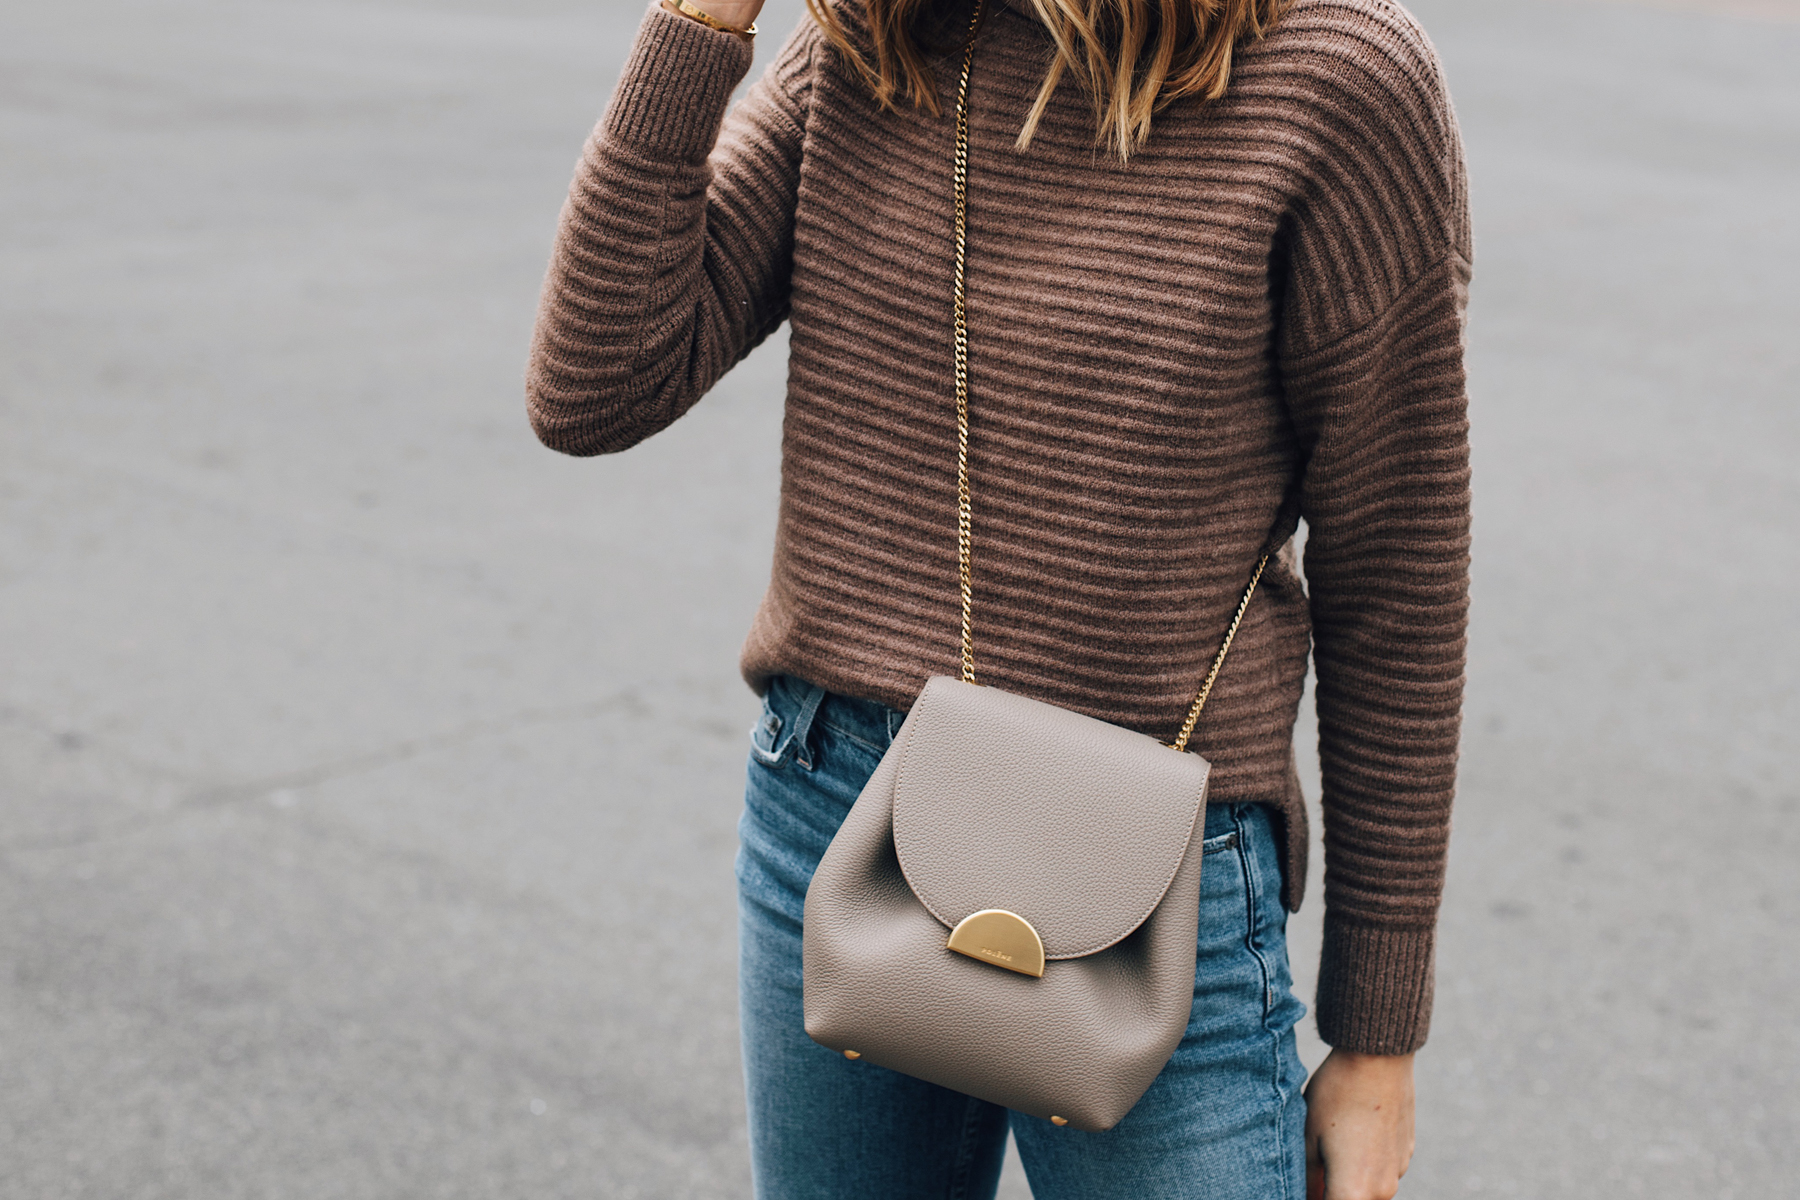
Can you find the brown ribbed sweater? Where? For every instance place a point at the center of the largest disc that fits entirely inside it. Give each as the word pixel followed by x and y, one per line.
pixel 1269 295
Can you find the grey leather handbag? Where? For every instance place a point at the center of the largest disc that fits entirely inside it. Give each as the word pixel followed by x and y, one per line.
pixel 1010 908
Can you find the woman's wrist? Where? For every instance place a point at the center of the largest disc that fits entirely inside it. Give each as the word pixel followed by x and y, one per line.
pixel 727 16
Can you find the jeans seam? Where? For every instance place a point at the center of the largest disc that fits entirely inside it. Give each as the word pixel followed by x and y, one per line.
pixel 1252 880
pixel 1288 1191
pixel 1251 924
pixel 965 1150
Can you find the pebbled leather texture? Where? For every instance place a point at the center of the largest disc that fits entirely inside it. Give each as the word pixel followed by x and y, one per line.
pixel 992 800
pixel 1076 825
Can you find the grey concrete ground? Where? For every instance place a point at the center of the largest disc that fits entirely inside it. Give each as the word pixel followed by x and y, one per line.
pixel 368 775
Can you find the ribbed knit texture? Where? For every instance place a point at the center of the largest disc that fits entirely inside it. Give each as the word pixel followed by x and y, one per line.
pixel 1269 295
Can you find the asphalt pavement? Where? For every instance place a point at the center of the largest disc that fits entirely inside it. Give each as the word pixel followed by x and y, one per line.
pixel 369 774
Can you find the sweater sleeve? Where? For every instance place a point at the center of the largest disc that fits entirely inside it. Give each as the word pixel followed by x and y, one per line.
pixel 673 253
pixel 1372 366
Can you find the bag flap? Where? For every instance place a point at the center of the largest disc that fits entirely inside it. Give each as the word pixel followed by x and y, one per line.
pixel 1005 802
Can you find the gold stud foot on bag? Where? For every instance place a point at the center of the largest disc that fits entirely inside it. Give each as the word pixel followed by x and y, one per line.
pixel 852 1055
pixel 1059 1121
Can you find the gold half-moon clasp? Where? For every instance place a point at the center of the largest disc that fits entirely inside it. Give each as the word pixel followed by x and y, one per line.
pixel 1001 939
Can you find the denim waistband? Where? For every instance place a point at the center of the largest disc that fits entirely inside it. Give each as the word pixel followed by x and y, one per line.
pixel 801 704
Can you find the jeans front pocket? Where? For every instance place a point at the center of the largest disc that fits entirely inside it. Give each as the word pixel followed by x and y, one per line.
pixel 1232 973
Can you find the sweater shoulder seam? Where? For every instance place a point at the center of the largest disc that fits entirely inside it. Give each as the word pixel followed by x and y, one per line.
pixel 1451 256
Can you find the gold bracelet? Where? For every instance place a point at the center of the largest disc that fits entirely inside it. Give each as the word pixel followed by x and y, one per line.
pixel 688 9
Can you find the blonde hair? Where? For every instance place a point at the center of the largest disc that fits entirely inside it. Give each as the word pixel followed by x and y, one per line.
pixel 1130 57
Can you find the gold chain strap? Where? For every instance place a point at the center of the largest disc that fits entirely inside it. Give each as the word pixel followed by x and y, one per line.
pixel 960 311
pixel 1187 726
pixel 962 352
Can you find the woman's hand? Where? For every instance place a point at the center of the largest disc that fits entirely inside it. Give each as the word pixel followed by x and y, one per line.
pixel 739 14
pixel 1359 1126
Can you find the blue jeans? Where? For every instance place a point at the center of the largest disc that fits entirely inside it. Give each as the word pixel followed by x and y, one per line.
pixel 1224 1120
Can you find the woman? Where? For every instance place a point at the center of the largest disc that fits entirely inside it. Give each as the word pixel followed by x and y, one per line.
pixel 1217 260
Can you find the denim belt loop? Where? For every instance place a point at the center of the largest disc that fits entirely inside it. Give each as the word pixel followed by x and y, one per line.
pixel 797 734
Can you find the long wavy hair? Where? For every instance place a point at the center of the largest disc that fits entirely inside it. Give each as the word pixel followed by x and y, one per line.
pixel 1130 57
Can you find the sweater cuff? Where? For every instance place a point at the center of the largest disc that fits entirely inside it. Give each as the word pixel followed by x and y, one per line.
pixel 672 96
pixel 1375 987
